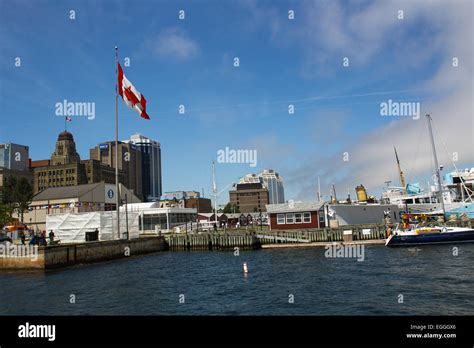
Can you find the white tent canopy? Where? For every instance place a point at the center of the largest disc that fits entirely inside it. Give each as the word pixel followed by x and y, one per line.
pixel 72 228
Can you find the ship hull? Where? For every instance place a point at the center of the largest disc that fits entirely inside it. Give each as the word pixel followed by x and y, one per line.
pixel 431 238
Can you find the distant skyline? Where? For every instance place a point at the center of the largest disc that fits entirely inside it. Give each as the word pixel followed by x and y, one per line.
pixel 334 64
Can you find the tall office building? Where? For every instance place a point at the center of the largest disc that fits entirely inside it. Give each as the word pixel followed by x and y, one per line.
pixel 151 166
pixel 269 180
pixel 274 183
pixel 129 160
pixel 14 161
pixel 14 156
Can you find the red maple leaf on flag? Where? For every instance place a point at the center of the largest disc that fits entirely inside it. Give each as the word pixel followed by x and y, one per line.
pixel 132 98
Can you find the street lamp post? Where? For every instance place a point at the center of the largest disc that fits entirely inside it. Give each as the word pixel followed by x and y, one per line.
pixel 126 214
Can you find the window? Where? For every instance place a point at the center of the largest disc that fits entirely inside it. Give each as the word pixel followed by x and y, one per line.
pixel 307 218
pixel 280 219
pixel 290 218
pixel 298 218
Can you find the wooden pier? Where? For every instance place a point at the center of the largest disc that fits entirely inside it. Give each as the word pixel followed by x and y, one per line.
pixel 257 238
pixel 212 241
pixel 351 232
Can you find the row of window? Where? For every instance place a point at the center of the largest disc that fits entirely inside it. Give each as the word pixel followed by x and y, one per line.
pixel 41 188
pixel 248 194
pixel 57 172
pixel 43 181
pixel 294 218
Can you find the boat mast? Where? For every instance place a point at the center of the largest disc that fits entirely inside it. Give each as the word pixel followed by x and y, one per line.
pixel 319 190
pixel 214 190
pixel 435 157
pixel 400 173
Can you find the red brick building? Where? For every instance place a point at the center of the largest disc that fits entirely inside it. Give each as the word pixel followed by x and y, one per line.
pixel 296 215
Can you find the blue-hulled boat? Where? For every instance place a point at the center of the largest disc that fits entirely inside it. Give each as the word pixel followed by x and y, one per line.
pixel 430 235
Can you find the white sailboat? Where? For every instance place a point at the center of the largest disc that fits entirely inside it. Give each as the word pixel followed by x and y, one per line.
pixel 431 233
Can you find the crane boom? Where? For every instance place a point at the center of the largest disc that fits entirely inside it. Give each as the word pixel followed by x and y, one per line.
pixel 400 172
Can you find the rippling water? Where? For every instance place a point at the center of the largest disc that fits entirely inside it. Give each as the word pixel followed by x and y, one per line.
pixel 431 280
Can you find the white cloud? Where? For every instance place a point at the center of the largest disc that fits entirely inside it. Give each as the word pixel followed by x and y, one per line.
pixel 175 43
pixel 435 32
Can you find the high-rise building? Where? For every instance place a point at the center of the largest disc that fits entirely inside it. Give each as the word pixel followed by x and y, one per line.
pixel 274 183
pixel 14 156
pixel 14 162
pixel 270 180
pixel 150 166
pixel 129 160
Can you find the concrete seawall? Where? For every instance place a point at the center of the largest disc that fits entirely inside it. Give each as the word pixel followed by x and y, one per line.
pixel 71 254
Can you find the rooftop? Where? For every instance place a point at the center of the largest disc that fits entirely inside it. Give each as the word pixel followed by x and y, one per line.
pixel 293 207
pixel 65 192
pixel 65 136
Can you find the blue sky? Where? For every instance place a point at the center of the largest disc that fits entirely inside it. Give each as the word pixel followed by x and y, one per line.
pixel 282 62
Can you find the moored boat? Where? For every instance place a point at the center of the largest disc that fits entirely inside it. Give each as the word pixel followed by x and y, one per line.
pixel 420 234
pixel 430 235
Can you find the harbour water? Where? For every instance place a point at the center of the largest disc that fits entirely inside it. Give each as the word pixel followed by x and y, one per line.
pixel 429 279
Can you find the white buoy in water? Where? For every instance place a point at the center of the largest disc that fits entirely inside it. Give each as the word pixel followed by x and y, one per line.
pixel 246 269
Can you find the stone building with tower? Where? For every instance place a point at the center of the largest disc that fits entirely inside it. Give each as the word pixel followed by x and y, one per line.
pixel 65 168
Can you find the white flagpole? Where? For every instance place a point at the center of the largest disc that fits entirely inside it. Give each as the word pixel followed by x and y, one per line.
pixel 117 189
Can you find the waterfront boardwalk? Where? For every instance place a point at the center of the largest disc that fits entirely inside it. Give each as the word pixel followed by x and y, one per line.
pixel 323 244
pixel 256 237
pixel 244 239
pixel 212 241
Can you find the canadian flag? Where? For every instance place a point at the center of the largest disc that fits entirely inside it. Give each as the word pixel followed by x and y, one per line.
pixel 130 95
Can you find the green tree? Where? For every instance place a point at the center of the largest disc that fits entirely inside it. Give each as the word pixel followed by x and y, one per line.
pixel 23 196
pixel 8 193
pixel 231 208
pixel 5 215
pixel 16 195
